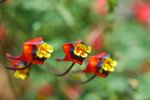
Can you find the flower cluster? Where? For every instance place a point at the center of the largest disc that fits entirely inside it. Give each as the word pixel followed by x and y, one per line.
pixel 36 51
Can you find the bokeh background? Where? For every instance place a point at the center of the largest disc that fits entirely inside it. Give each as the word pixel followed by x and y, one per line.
pixel 119 27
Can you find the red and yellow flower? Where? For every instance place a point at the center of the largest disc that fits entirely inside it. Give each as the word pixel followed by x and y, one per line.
pixel 21 74
pixel 35 51
pixel 75 52
pixel 100 64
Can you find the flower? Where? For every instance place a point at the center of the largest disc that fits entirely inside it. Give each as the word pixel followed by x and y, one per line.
pixel 75 52
pixel 35 51
pixel 142 12
pixel 95 39
pixel 44 92
pixel 23 67
pixel 22 74
pixel 101 6
pixel 100 64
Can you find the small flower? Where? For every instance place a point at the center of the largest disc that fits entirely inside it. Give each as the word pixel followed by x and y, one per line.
pixel 100 64
pixel 142 12
pixel 21 69
pixel 101 6
pixel 35 51
pixel 75 52
pixel 44 92
pixel 96 39
pixel 22 74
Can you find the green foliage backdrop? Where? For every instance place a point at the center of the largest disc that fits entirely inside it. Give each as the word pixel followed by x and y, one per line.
pixel 61 21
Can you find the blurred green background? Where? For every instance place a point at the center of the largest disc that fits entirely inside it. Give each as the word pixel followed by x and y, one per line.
pixel 119 27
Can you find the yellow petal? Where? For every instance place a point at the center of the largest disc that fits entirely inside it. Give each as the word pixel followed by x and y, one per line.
pixel 114 63
pixel 88 49
pixel 39 55
pixel 23 77
pixel 50 49
pixel 20 76
pixel 47 55
pixel 111 69
pixel 84 55
pixel 16 74
pixel 81 49
pixel 44 50
pixel 76 53
pixel 105 68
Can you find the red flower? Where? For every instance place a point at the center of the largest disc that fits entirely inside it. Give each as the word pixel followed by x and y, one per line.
pixel 101 6
pixel 142 12
pixel 72 92
pixel 35 51
pixel 100 64
pixel 75 52
pixel 95 39
pixel 44 92
pixel 23 69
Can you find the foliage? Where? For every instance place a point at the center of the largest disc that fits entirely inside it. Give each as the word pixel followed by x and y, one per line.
pixel 62 21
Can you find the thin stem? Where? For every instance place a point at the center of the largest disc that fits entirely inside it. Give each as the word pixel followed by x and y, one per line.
pixel 83 82
pixel 88 80
pixel 10 68
pixel 64 73
pixel 56 72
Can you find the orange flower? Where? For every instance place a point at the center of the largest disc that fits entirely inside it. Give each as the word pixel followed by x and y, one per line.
pixel 100 64
pixel 35 51
pixel 22 74
pixel 75 52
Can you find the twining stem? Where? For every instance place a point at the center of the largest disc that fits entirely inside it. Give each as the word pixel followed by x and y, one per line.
pixel 56 71
pixel 88 80
pixel 11 68
pixel 83 82
pixel 64 73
